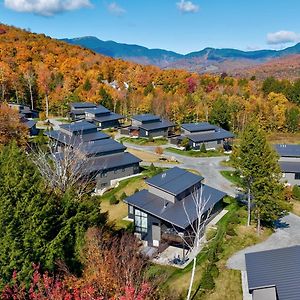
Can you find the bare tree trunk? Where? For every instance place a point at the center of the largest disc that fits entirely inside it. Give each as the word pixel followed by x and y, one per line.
pixel 31 96
pixel 258 223
pixel 188 297
pixel 47 106
pixel 249 207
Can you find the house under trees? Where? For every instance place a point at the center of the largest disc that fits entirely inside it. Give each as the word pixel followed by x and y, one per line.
pixel 169 206
pixel 107 159
pixel 149 126
pixel 213 137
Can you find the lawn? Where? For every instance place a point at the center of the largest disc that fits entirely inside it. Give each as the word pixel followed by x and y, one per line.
pixel 144 141
pixel 143 155
pixel 232 176
pixel 193 153
pixel 284 138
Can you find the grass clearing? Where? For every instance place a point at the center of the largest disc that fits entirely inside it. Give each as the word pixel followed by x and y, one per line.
pixel 194 153
pixel 144 141
pixel 284 138
pixel 232 176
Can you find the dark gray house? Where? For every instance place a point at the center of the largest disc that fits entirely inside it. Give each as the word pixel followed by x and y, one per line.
pixel 103 117
pixel 148 125
pixel 77 110
pixel 274 274
pixel 211 136
pixel 107 159
pixel 24 110
pixel 289 162
pixel 31 125
pixel 168 206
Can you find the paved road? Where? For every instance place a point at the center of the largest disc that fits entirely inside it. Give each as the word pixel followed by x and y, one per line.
pixel 208 167
pixel 287 234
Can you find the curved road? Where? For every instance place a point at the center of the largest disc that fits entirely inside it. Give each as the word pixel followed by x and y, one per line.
pixel 208 167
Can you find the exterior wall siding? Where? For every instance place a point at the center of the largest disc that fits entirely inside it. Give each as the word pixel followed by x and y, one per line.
pixel 153 133
pixel 290 178
pixel 208 145
pixel 161 194
pixel 116 173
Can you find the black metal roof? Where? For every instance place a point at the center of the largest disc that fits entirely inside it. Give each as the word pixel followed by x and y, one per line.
pixel 181 213
pixel 101 147
pixel 209 136
pixel 29 123
pixel 98 110
pixel 117 160
pixel 174 181
pixel 157 125
pixel 290 166
pixel 74 140
pixel 146 118
pixel 78 126
pixel 198 127
pixel 279 268
pixel 110 117
pixel 288 150
pixel 81 105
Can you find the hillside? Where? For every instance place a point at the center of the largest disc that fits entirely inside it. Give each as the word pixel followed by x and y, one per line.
pixel 207 60
pixel 43 72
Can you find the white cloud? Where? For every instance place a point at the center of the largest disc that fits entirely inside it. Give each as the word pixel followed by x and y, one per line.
pixel 46 7
pixel 115 9
pixel 282 37
pixel 187 6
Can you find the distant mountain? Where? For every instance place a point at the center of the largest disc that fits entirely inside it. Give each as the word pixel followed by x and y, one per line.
pixel 207 60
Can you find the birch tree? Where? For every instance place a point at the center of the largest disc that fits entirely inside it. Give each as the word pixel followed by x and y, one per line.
pixel 194 237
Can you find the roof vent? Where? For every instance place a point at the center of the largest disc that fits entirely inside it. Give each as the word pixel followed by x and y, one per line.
pixel 163 175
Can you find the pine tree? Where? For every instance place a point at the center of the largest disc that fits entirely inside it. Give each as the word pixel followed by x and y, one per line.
pixel 36 226
pixel 257 162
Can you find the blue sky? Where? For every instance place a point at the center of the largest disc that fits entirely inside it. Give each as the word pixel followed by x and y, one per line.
pixel 179 25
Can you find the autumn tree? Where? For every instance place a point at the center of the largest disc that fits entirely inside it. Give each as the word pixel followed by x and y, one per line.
pixel 11 128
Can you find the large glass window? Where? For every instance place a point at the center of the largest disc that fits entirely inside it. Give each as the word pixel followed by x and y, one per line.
pixel 297 175
pixel 140 221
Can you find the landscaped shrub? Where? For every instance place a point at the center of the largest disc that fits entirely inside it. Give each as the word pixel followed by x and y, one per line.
pixel 203 148
pixel 207 281
pixel 123 196
pixel 230 230
pixel 296 192
pixel 214 271
pixel 113 200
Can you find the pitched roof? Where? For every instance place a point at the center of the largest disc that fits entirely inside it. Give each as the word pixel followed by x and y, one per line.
pixel 98 110
pixel 117 160
pixel 174 181
pixel 81 105
pixel 198 127
pixel 78 126
pixel 157 125
pixel 146 118
pixel 278 268
pixel 209 136
pixel 74 140
pixel 180 213
pixel 100 147
pixel 290 166
pixel 30 123
pixel 110 117
pixel 288 150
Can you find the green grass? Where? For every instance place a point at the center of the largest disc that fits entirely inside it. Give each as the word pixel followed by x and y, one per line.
pixel 193 153
pixel 63 120
pixel 232 176
pixel 144 141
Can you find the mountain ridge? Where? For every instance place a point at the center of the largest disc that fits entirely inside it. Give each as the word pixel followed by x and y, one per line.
pixel 209 59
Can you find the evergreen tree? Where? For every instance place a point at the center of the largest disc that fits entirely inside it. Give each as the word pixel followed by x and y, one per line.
pixel 220 114
pixel 257 163
pixel 106 99
pixel 36 226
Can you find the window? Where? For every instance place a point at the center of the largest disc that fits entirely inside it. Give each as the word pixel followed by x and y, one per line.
pixel 140 221
pixel 297 175
pixel 219 142
pixel 146 133
pixel 131 209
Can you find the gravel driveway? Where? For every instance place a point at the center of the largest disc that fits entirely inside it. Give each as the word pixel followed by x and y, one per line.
pixel 287 234
pixel 208 167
